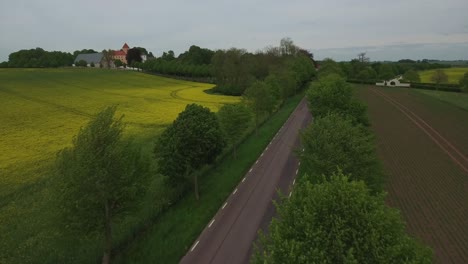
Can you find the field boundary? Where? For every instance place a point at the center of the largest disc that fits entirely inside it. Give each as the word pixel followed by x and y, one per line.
pixel 452 151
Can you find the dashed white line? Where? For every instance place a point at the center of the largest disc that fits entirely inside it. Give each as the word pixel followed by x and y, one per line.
pixel 299 164
pixel 290 194
pixel 212 221
pixel 256 162
pixel 250 170
pixel 267 147
pixel 303 149
pixel 297 171
pixel 294 182
pixel 194 246
pixel 224 205
pixel 235 191
pixel 262 154
pixel 243 179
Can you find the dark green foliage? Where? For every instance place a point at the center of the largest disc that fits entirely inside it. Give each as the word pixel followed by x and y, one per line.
pixel 337 222
pixel 464 82
pixel 367 74
pixel 99 177
pixel 83 51
pixel 196 56
pixel 259 98
pixel 81 63
pixel 194 139
pixel 329 66
pixel 230 68
pixel 234 120
pixel 333 94
pixel 412 76
pixel 92 64
pixel 118 63
pixel 333 141
pixel 133 55
pixel 39 58
pixel 386 72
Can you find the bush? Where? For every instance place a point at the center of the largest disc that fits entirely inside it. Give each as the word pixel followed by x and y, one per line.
pixel 337 221
pixel 81 63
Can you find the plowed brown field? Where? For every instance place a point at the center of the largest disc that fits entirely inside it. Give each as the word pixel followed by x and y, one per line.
pixel 423 144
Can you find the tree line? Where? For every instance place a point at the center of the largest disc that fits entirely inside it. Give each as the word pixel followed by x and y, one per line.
pixel 337 212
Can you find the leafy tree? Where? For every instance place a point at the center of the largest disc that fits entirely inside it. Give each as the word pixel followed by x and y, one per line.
pixel 83 51
pixel 133 55
pixel 196 55
pixel 439 76
pixel 464 82
pixel 168 56
pixel 338 222
pixel 231 71
pixel 274 85
pixel 118 63
pixel 92 64
pixel 367 74
pixel 193 140
pixel 329 66
pixel 107 57
pixel 234 120
pixel 333 94
pixel 81 63
pixel 412 76
pixel 287 47
pixel 99 177
pixel 333 141
pixel 39 58
pixel 386 72
pixel 259 99
pixel 363 58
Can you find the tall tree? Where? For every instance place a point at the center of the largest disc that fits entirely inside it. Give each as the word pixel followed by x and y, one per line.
pixel 99 177
pixel 108 57
pixel 193 140
pixel 329 66
pixel 334 141
pixel 386 71
pixel 439 76
pixel 234 120
pixel 362 57
pixel 259 99
pixel 464 82
pixel 133 55
pixel 337 222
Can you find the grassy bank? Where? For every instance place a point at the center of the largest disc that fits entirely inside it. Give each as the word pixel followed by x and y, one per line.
pixel 454 74
pixel 174 232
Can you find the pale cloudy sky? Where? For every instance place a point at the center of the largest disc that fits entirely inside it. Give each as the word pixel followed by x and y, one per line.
pixel 386 29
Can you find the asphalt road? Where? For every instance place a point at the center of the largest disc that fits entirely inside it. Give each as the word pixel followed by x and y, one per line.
pixel 229 236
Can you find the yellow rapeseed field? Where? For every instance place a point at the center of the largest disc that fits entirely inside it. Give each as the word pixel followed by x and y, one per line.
pixel 42 109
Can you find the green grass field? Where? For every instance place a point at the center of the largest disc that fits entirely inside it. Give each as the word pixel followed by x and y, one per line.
pixel 454 74
pixel 41 111
pixel 457 99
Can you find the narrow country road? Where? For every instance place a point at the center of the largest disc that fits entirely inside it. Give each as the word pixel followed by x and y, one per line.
pixel 229 236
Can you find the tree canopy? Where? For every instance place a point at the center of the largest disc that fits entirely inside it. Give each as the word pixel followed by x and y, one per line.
pixel 133 55
pixel 194 139
pixel 439 76
pixel 39 58
pixel 234 120
pixel 259 99
pixel 333 94
pixel 99 177
pixel 337 221
pixel 333 141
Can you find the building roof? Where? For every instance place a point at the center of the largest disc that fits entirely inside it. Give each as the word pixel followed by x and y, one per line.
pixel 125 46
pixel 89 57
pixel 119 52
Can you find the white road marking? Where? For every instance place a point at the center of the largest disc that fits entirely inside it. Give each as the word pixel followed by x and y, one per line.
pixel 224 205
pixel 303 149
pixel 299 164
pixel 294 182
pixel 297 171
pixel 243 179
pixel 290 194
pixel 212 221
pixel 194 246
pixel 250 170
pixel 262 154
pixel 235 191
pixel 267 147
pixel 256 162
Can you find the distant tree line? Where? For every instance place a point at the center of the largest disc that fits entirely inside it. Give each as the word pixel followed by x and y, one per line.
pixel 38 58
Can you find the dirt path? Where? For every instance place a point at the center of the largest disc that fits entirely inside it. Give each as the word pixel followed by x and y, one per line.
pixel 426 163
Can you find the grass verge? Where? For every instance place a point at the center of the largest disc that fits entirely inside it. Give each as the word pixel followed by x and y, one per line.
pixel 174 232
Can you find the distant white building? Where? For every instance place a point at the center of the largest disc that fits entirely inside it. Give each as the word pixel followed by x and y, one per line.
pixel 393 82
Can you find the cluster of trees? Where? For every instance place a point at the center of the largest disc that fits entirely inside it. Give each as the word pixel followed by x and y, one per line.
pixel 464 82
pixel 337 213
pixel 362 70
pixel 38 58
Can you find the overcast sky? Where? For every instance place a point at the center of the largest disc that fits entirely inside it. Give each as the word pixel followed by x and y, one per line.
pixel 386 29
